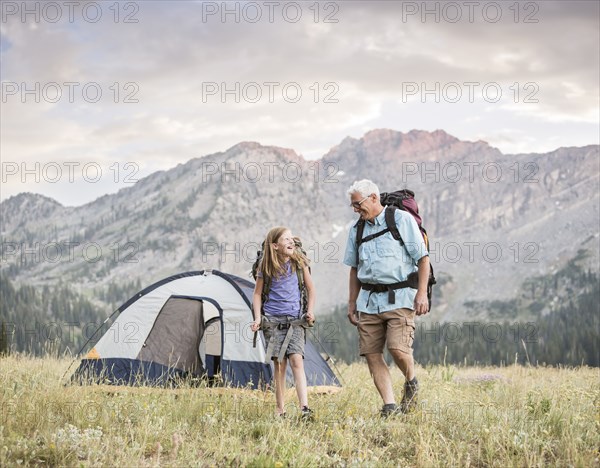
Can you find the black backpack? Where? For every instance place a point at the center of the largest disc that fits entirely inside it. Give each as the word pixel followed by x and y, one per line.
pixel 400 200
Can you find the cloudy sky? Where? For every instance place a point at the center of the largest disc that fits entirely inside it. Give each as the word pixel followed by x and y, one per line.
pixel 96 95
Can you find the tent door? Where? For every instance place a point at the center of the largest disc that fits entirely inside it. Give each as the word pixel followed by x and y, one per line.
pixel 211 346
pixel 175 336
pixel 212 349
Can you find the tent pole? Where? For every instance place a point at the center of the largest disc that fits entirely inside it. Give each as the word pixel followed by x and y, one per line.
pixel 89 339
pixel 329 358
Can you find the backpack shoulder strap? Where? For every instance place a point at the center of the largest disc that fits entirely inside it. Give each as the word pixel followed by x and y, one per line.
pixel 300 275
pixel 266 289
pixel 303 292
pixel 390 220
pixel 360 228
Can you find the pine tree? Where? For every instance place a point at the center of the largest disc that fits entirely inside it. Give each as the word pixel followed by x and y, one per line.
pixel 4 347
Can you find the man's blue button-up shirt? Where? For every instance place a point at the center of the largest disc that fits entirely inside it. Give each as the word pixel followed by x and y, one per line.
pixel 384 261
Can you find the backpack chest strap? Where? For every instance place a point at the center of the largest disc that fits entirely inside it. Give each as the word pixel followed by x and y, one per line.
pixel 374 236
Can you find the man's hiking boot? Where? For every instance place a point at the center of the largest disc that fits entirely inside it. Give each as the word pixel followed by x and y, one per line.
pixel 388 410
pixel 307 414
pixel 410 398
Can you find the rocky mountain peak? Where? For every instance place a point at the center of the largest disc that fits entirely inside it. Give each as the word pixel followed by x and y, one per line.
pixel 413 142
pixel 26 207
pixel 254 148
pixel 30 200
pixel 392 148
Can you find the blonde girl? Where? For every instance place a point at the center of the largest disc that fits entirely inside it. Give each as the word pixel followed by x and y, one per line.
pixel 279 266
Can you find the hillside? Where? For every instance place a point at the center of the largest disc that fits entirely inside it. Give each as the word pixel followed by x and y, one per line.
pixel 494 220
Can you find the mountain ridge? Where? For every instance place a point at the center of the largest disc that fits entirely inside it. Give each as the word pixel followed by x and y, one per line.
pixel 213 211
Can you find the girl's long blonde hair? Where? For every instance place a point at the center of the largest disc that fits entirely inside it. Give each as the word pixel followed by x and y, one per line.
pixel 271 265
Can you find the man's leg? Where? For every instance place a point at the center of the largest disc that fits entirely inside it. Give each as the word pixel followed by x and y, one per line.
pixel 405 363
pixel 400 334
pixel 381 377
pixel 372 331
pixel 400 337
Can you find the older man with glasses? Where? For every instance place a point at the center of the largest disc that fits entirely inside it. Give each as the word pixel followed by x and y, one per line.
pixel 380 302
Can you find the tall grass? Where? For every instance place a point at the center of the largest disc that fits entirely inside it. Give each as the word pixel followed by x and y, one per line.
pixel 508 416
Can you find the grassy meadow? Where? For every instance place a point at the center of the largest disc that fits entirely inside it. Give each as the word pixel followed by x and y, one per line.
pixel 467 416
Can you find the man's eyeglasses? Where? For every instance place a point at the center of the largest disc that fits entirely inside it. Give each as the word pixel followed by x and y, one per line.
pixel 357 204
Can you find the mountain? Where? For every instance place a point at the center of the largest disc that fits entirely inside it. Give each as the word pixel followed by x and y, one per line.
pixel 493 219
pixel 210 212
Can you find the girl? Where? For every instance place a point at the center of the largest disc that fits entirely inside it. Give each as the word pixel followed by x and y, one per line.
pixel 279 268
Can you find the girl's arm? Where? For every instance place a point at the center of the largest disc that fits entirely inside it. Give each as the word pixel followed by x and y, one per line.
pixel 310 291
pixel 257 303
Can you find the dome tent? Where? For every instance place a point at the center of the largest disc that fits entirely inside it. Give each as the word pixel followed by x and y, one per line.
pixel 189 325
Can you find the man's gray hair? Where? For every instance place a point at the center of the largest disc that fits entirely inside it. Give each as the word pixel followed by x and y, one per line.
pixel 365 187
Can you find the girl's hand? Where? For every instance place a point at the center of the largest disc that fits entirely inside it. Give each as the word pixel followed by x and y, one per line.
pixel 310 317
pixel 255 325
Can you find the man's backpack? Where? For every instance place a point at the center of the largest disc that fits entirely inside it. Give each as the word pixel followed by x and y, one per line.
pixel 267 280
pixel 403 200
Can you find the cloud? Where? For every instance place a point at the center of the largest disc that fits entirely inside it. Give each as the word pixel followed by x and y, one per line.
pixel 183 83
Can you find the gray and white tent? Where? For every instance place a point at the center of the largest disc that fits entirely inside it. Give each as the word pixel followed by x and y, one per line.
pixel 189 325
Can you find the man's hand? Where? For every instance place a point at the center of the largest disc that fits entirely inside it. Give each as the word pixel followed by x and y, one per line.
pixel 421 304
pixel 352 316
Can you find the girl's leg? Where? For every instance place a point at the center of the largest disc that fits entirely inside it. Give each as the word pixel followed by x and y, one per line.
pixel 297 365
pixel 280 384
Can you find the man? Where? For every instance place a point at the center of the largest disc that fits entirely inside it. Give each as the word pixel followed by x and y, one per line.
pixel 386 316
